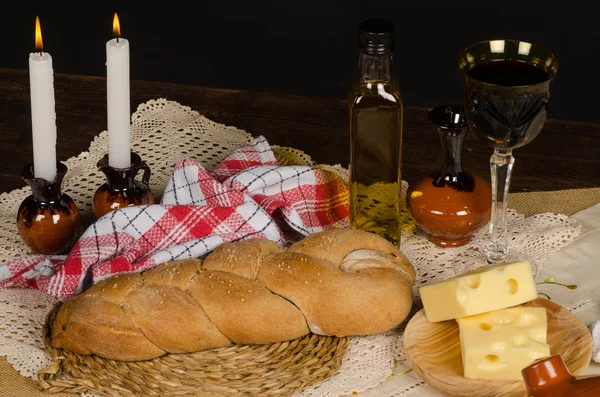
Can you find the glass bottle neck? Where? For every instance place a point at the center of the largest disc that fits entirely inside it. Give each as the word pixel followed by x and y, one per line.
pixel 375 66
pixel 452 143
pixel 451 172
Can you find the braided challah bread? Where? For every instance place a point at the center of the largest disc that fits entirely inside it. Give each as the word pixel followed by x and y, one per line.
pixel 342 283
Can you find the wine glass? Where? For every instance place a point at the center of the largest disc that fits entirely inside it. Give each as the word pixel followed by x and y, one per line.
pixel 507 88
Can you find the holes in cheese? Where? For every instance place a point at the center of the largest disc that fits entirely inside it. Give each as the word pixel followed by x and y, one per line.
pixel 485 326
pixel 515 338
pixel 491 363
pixel 526 320
pixel 499 347
pixel 537 334
pixel 504 317
pixel 512 286
pixel 473 281
pixel 483 290
pixel 520 341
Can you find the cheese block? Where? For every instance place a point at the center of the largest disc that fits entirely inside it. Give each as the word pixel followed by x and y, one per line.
pixel 482 290
pixel 499 344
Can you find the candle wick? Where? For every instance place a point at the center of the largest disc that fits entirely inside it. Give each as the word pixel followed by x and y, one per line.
pixel 117 39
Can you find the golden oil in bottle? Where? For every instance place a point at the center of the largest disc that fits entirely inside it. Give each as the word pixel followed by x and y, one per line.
pixel 376 136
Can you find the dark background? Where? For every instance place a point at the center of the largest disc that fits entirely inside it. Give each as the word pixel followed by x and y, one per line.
pixel 306 47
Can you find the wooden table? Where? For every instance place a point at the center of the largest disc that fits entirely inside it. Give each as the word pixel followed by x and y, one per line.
pixel 564 155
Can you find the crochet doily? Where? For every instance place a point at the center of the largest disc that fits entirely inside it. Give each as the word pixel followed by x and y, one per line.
pixel 164 132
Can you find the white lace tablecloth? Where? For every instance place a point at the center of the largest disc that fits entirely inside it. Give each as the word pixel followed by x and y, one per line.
pixel 165 131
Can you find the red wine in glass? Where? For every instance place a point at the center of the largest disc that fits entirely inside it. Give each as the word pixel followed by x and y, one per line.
pixel 505 110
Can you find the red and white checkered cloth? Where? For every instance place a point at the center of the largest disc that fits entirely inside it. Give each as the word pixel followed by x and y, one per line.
pixel 247 196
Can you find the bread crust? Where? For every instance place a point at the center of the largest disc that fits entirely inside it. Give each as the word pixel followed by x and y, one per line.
pixel 336 302
pixel 245 311
pixel 243 259
pixel 341 283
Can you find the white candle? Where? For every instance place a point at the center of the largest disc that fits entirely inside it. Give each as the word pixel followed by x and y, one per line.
pixel 43 113
pixel 117 100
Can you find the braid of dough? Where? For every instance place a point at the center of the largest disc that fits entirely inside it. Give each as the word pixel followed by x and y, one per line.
pixel 340 283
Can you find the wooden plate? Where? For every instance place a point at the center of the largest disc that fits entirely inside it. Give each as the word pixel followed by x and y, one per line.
pixel 433 350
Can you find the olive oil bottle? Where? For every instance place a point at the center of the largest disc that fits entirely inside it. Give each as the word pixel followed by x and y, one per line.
pixel 376 135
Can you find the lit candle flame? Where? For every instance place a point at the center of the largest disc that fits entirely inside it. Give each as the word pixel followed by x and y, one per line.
pixel 116 26
pixel 39 46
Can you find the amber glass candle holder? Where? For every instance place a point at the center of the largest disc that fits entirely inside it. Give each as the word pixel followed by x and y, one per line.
pixel 47 220
pixel 121 188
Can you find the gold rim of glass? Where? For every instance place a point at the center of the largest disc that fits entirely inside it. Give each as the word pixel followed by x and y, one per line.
pixel 508 49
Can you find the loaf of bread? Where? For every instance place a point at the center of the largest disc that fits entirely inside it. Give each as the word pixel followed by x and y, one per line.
pixel 341 283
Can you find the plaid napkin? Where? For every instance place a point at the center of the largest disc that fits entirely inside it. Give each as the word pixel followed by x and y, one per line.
pixel 247 196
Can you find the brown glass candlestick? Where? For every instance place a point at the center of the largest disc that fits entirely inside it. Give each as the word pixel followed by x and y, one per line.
pixel 47 220
pixel 121 188
pixel 550 377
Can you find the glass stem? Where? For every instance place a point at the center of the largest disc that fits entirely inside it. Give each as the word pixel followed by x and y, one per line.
pixel 501 164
